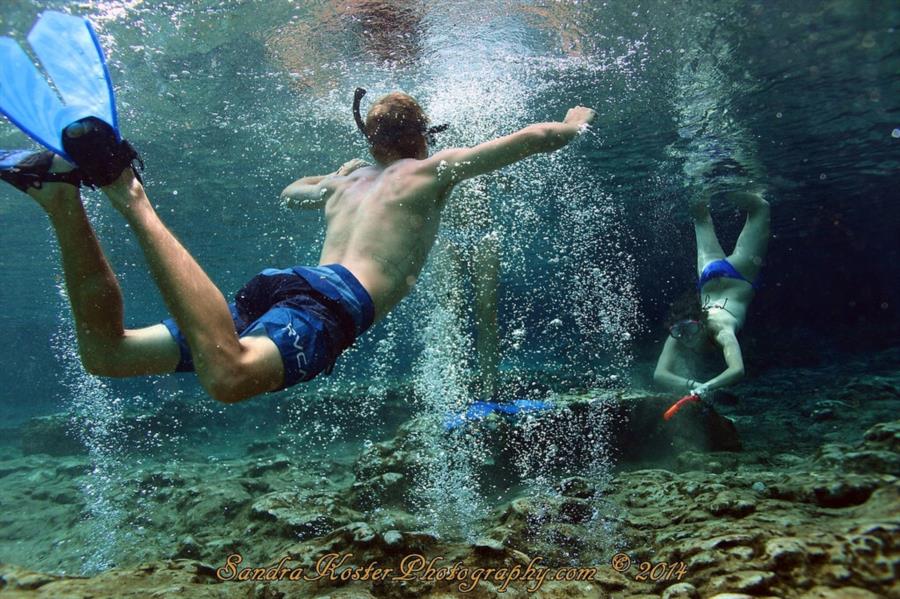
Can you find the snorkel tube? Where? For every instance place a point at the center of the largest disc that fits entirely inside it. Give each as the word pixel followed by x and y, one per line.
pixel 357 97
pixel 680 404
pixel 428 132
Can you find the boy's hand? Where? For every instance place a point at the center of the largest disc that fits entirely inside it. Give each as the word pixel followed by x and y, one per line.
pixel 579 116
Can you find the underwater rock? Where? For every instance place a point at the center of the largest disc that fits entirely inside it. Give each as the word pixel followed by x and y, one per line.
pixel 634 431
pixel 576 511
pixel 53 435
pixel 784 553
pixel 879 451
pixel 844 493
pixel 869 388
pixel 385 490
pixel 681 590
pixel 731 505
pixel 557 528
pixel 301 514
pixel 884 436
pixel 822 414
pixel 635 427
pixel 725 398
pixel 576 486
pixel 839 490
pixel 396 455
pixel 63 433
pixel 393 538
pixel 262 447
pixel 749 581
pixel 278 463
pixel 188 548
pixel 746 524
pixel 156 579
pixel 839 593
pixel 365 543
pixel 211 501
pixel 15 578
pixel 152 481
pixel 709 462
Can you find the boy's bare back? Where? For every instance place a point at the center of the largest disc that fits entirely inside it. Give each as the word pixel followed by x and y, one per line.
pixel 383 220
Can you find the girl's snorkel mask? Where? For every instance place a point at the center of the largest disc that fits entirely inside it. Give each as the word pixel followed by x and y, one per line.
pixel 428 132
pixel 685 329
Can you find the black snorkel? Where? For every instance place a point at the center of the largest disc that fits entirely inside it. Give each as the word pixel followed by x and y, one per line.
pixel 357 97
pixel 428 132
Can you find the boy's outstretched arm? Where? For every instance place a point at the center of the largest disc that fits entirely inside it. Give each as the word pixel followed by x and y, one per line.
pixel 310 193
pixel 456 164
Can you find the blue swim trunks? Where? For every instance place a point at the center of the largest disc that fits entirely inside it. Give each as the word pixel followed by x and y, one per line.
pixel 312 313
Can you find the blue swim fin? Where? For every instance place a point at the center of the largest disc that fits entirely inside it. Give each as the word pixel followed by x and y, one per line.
pixel 70 52
pixel 480 410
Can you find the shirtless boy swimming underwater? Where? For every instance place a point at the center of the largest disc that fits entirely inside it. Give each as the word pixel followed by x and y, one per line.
pixel 285 325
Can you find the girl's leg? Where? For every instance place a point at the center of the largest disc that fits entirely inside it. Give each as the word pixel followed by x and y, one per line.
pixel 753 242
pixel 708 247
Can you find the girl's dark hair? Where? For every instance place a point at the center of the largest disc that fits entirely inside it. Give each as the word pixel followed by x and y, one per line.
pixel 686 307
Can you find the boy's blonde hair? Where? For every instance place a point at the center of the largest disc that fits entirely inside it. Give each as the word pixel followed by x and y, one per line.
pixel 396 123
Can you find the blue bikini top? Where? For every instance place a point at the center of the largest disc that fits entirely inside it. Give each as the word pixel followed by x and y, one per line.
pixel 719 269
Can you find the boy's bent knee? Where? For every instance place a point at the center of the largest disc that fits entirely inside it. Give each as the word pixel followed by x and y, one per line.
pixel 232 385
pixel 96 367
pixel 101 364
pixel 223 389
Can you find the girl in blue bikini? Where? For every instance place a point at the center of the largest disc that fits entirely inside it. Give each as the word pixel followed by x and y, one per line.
pixel 726 285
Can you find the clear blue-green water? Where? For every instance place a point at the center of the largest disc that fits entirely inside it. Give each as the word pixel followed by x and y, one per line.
pixel 228 102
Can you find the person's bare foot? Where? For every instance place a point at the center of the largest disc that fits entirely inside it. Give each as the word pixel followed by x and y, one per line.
pixel 51 196
pixel 699 207
pixel 747 200
pixel 125 192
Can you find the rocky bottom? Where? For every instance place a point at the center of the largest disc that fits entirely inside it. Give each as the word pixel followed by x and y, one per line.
pixel 800 499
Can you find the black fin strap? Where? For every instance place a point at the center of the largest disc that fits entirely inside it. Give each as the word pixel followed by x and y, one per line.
pixel 24 180
pixel 72 177
pixel 139 160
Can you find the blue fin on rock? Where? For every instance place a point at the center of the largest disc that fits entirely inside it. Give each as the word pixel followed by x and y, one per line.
pixel 480 410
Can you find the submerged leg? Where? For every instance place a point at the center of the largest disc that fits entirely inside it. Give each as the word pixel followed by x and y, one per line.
pixel 106 347
pixel 753 242
pixel 708 247
pixel 486 280
pixel 230 369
